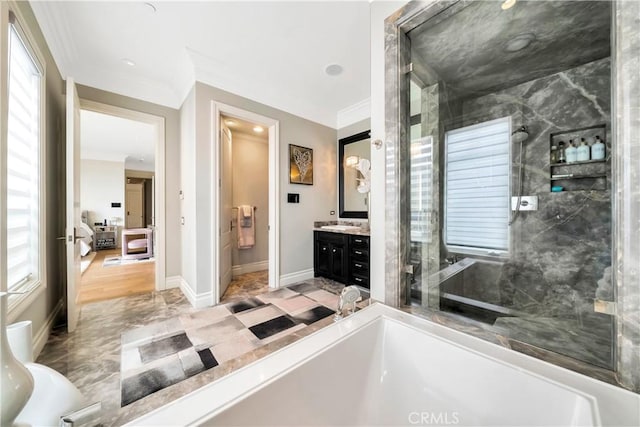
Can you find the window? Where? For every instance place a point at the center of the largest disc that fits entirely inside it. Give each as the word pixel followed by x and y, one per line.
pixel 24 202
pixel 477 188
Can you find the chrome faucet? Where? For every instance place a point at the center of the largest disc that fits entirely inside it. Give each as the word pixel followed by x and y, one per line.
pixel 347 302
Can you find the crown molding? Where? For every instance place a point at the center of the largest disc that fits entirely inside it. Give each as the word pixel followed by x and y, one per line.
pixel 55 29
pixel 354 113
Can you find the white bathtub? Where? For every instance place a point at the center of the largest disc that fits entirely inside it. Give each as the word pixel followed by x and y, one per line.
pixel 385 367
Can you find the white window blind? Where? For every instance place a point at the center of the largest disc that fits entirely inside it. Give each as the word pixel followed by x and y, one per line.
pixel 477 186
pixel 420 185
pixel 23 165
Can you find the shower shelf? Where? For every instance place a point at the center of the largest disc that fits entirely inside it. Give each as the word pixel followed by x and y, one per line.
pixel 564 178
pixel 586 162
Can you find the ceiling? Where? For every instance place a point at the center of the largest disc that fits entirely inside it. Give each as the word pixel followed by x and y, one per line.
pixel 272 52
pixel 238 126
pixel 467 49
pixel 111 138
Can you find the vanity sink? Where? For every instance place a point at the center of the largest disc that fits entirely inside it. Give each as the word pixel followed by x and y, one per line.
pixel 341 227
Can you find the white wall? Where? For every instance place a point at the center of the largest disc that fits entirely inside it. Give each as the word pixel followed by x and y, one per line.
pixel 250 178
pixel 101 183
pixel 379 12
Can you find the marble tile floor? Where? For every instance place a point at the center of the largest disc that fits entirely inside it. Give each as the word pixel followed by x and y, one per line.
pixel 90 356
pixel 247 285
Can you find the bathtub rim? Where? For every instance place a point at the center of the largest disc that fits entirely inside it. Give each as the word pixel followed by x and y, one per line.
pixel 195 407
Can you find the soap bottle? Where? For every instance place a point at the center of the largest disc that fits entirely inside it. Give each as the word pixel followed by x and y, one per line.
pixel 584 151
pixel 554 155
pixel 571 152
pixel 597 149
pixel 561 152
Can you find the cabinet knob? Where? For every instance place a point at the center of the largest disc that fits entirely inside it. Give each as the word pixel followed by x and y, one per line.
pixel 358 240
pixel 334 250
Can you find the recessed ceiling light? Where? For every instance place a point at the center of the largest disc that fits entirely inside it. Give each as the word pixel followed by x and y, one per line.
pixel 258 129
pixel 129 62
pixel 230 122
pixel 333 69
pixel 508 4
pixel 519 42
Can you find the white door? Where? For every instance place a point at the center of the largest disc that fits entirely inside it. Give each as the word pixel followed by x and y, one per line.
pixel 226 200
pixel 134 204
pixel 73 204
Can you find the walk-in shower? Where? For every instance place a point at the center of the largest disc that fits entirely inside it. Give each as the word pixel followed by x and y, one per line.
pixel 484 107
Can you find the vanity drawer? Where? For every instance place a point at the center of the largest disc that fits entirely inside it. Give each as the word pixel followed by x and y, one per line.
pixel 360 268
pixel 360 254
pixel 360 242
pixel 360 281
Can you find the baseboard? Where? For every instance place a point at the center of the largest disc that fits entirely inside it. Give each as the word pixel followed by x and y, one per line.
pixel 298 276
pixel 172 282
pixel 252 267
pixel 42 336
pixel 196 300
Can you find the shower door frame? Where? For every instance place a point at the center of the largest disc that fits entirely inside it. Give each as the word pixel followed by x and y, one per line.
pixel 625 188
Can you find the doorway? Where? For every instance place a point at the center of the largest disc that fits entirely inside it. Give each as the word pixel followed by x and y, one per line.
pixel 246 203
pixel 122 160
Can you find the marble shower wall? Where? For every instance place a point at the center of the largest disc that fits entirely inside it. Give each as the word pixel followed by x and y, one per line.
pixel 560 252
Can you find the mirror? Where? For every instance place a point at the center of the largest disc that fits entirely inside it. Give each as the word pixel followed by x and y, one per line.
pixel 354 175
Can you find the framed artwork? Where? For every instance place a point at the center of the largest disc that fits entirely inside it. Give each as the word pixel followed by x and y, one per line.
pixel 300 165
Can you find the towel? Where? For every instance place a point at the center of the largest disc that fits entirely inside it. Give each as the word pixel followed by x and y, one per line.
pixel 246 229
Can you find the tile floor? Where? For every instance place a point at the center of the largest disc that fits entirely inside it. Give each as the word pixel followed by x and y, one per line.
pixel 90 357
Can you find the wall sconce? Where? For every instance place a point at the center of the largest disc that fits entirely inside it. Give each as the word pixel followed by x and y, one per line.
pixel 352 161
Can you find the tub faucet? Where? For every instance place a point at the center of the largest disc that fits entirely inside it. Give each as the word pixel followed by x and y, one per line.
pixel 347 302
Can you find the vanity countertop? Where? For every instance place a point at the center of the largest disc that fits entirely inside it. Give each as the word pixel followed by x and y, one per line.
pixel 317 226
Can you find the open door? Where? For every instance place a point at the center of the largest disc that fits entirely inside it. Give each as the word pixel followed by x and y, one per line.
pixel 226 200
pixel 73 204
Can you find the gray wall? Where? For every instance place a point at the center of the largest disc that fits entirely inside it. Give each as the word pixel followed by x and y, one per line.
pixel 188 182
pixel 354 128
pixel 296 220
pixel 250 178
pixel 172 164
pixel 41 308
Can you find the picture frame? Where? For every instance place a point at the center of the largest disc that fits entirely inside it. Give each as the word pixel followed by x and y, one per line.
pixel 300 165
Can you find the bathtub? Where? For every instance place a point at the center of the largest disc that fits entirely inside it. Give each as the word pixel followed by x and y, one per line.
pixel 382 366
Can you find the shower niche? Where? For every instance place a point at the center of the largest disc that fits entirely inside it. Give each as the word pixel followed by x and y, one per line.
pixel 579 175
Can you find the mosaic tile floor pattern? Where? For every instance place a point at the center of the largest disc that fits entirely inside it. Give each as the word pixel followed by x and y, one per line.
pixel 164 353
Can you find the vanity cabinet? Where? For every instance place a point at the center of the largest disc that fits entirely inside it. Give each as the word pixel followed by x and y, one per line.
pixel 330 258
pixel 342 257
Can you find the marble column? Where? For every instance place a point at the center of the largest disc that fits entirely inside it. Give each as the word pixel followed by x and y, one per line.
pixel 626 175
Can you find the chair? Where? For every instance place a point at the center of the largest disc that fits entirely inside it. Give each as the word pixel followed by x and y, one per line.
pixel 137 243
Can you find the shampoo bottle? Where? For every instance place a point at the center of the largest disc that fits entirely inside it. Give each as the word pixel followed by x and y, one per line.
pixel 584 151
pixel 597 149
pixel 571 152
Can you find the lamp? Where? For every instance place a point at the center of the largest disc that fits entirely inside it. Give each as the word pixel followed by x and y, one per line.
pixel 352 161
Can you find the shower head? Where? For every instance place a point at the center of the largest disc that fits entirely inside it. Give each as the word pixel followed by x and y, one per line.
pixel 520 135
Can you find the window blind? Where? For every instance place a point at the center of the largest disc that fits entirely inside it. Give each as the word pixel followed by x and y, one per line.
pixel 23 165
pixel 420 188
pixel 477 186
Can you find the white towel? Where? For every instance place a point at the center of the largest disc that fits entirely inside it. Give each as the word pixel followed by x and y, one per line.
pixel 246 228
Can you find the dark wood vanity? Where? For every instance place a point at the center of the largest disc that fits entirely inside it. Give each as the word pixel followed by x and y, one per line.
pixel 342 257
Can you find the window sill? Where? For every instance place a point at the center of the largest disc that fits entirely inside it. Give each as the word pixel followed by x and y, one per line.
pixel 17 304
pixel 486 253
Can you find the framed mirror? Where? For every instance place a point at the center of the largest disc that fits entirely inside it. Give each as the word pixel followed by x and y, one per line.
pixel 354 154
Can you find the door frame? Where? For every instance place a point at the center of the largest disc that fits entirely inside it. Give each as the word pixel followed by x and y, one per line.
pixel 217 110
pixel 159 191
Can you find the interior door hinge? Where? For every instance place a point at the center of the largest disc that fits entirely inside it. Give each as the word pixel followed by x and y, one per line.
pixel 408 68
pixel 408 269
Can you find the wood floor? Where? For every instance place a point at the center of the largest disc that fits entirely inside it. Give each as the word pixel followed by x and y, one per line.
pixel 102 283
